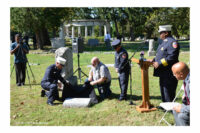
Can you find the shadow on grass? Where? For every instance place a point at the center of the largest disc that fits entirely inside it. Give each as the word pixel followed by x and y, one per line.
pixel 58 103
pixel 134 97
pixel 32 84
pixel 114 78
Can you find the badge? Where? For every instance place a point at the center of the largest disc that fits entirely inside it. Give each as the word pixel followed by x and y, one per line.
pixel 124 55
pixel 175 44
pixel 162 49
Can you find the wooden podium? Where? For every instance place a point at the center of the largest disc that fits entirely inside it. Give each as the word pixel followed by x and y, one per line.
pixel 146 105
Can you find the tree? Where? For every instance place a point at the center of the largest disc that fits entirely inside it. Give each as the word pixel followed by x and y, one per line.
pixel 136 20
pixel 177 17
pixel 39 20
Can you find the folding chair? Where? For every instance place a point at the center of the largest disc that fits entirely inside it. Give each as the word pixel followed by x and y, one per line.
pixel 167 109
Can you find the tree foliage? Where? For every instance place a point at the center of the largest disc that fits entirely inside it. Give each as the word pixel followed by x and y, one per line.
pixel 39 21
pixel 127 21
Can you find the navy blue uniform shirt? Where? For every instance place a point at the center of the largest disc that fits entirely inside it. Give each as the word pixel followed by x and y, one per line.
pixel 167 54
pixel 121 59
pixel 53 74
pixel 19 55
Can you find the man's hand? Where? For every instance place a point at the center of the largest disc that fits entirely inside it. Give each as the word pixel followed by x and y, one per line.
pixel 178 108
pixel 18 45
pixel 150 60
pixel 116 69
pixel 59 85
pixel 92 83
pixel 67 82
pixel 183 97
pixel 155 65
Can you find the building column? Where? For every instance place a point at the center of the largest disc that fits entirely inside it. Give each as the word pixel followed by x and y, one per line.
pixel 100 33
pixel 67 31
pixel 79 31
pixel 86 31
pixel 105 30
pixel 108 27
pixel 61 33
pixel 72 32
pixel 92 30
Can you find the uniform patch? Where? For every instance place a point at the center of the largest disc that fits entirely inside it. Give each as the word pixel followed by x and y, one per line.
pixel 124 56
pixel 162 49
pixel 175 44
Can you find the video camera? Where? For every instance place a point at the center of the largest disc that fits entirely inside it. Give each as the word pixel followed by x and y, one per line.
pixel 21 40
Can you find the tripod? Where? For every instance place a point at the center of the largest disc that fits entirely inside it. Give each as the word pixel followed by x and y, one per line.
pixel 79 69
pixel 20 49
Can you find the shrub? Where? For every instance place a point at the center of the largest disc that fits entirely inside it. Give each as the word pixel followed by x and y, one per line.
pixel 100 38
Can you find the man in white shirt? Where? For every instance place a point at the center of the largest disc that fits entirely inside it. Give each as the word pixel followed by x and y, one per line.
pixel 100 75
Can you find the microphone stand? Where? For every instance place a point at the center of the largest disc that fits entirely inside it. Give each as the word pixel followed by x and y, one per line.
pixel 130 73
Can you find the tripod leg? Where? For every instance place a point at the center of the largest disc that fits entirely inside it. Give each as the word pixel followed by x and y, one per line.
pixel 79 74
pixel 28 77
pixel 75 71
pixel 84 73
pixel 34 81
pixel 12 70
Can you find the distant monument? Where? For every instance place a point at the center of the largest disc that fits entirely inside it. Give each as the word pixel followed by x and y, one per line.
pixel 67 71
pixel 60 41
pixel 151 51
pixel 93 42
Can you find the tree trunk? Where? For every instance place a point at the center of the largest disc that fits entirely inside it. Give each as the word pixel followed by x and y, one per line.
pixel 123 32
pixel 149 34
pixel 45 37
pixel 39 39
pixel 42 38
pixel 131 34
pixel 116 27
pixel 54 32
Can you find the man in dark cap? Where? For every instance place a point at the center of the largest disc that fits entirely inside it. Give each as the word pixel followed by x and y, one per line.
pixel 122 67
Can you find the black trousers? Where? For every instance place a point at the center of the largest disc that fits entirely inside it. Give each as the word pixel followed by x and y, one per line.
pixel 123 83
pixel 104 90
pixel 20 69
pixel 52 91
pixel 168 87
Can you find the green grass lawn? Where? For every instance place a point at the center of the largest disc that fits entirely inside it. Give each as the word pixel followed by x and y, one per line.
pixel 28 108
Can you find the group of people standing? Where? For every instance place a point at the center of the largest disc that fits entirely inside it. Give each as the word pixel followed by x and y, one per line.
pixel 166 66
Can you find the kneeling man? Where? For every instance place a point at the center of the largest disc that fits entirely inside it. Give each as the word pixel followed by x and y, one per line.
pixel 50 80
pixel 99 75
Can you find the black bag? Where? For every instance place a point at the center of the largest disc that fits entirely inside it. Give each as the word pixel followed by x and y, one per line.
pixel 78 91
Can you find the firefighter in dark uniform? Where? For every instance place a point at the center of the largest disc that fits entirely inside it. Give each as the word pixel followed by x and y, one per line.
pixel 122 67
pixel 167 55
pixel 50 80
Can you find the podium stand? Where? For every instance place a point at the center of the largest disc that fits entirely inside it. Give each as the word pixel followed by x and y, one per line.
pixel 146 105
